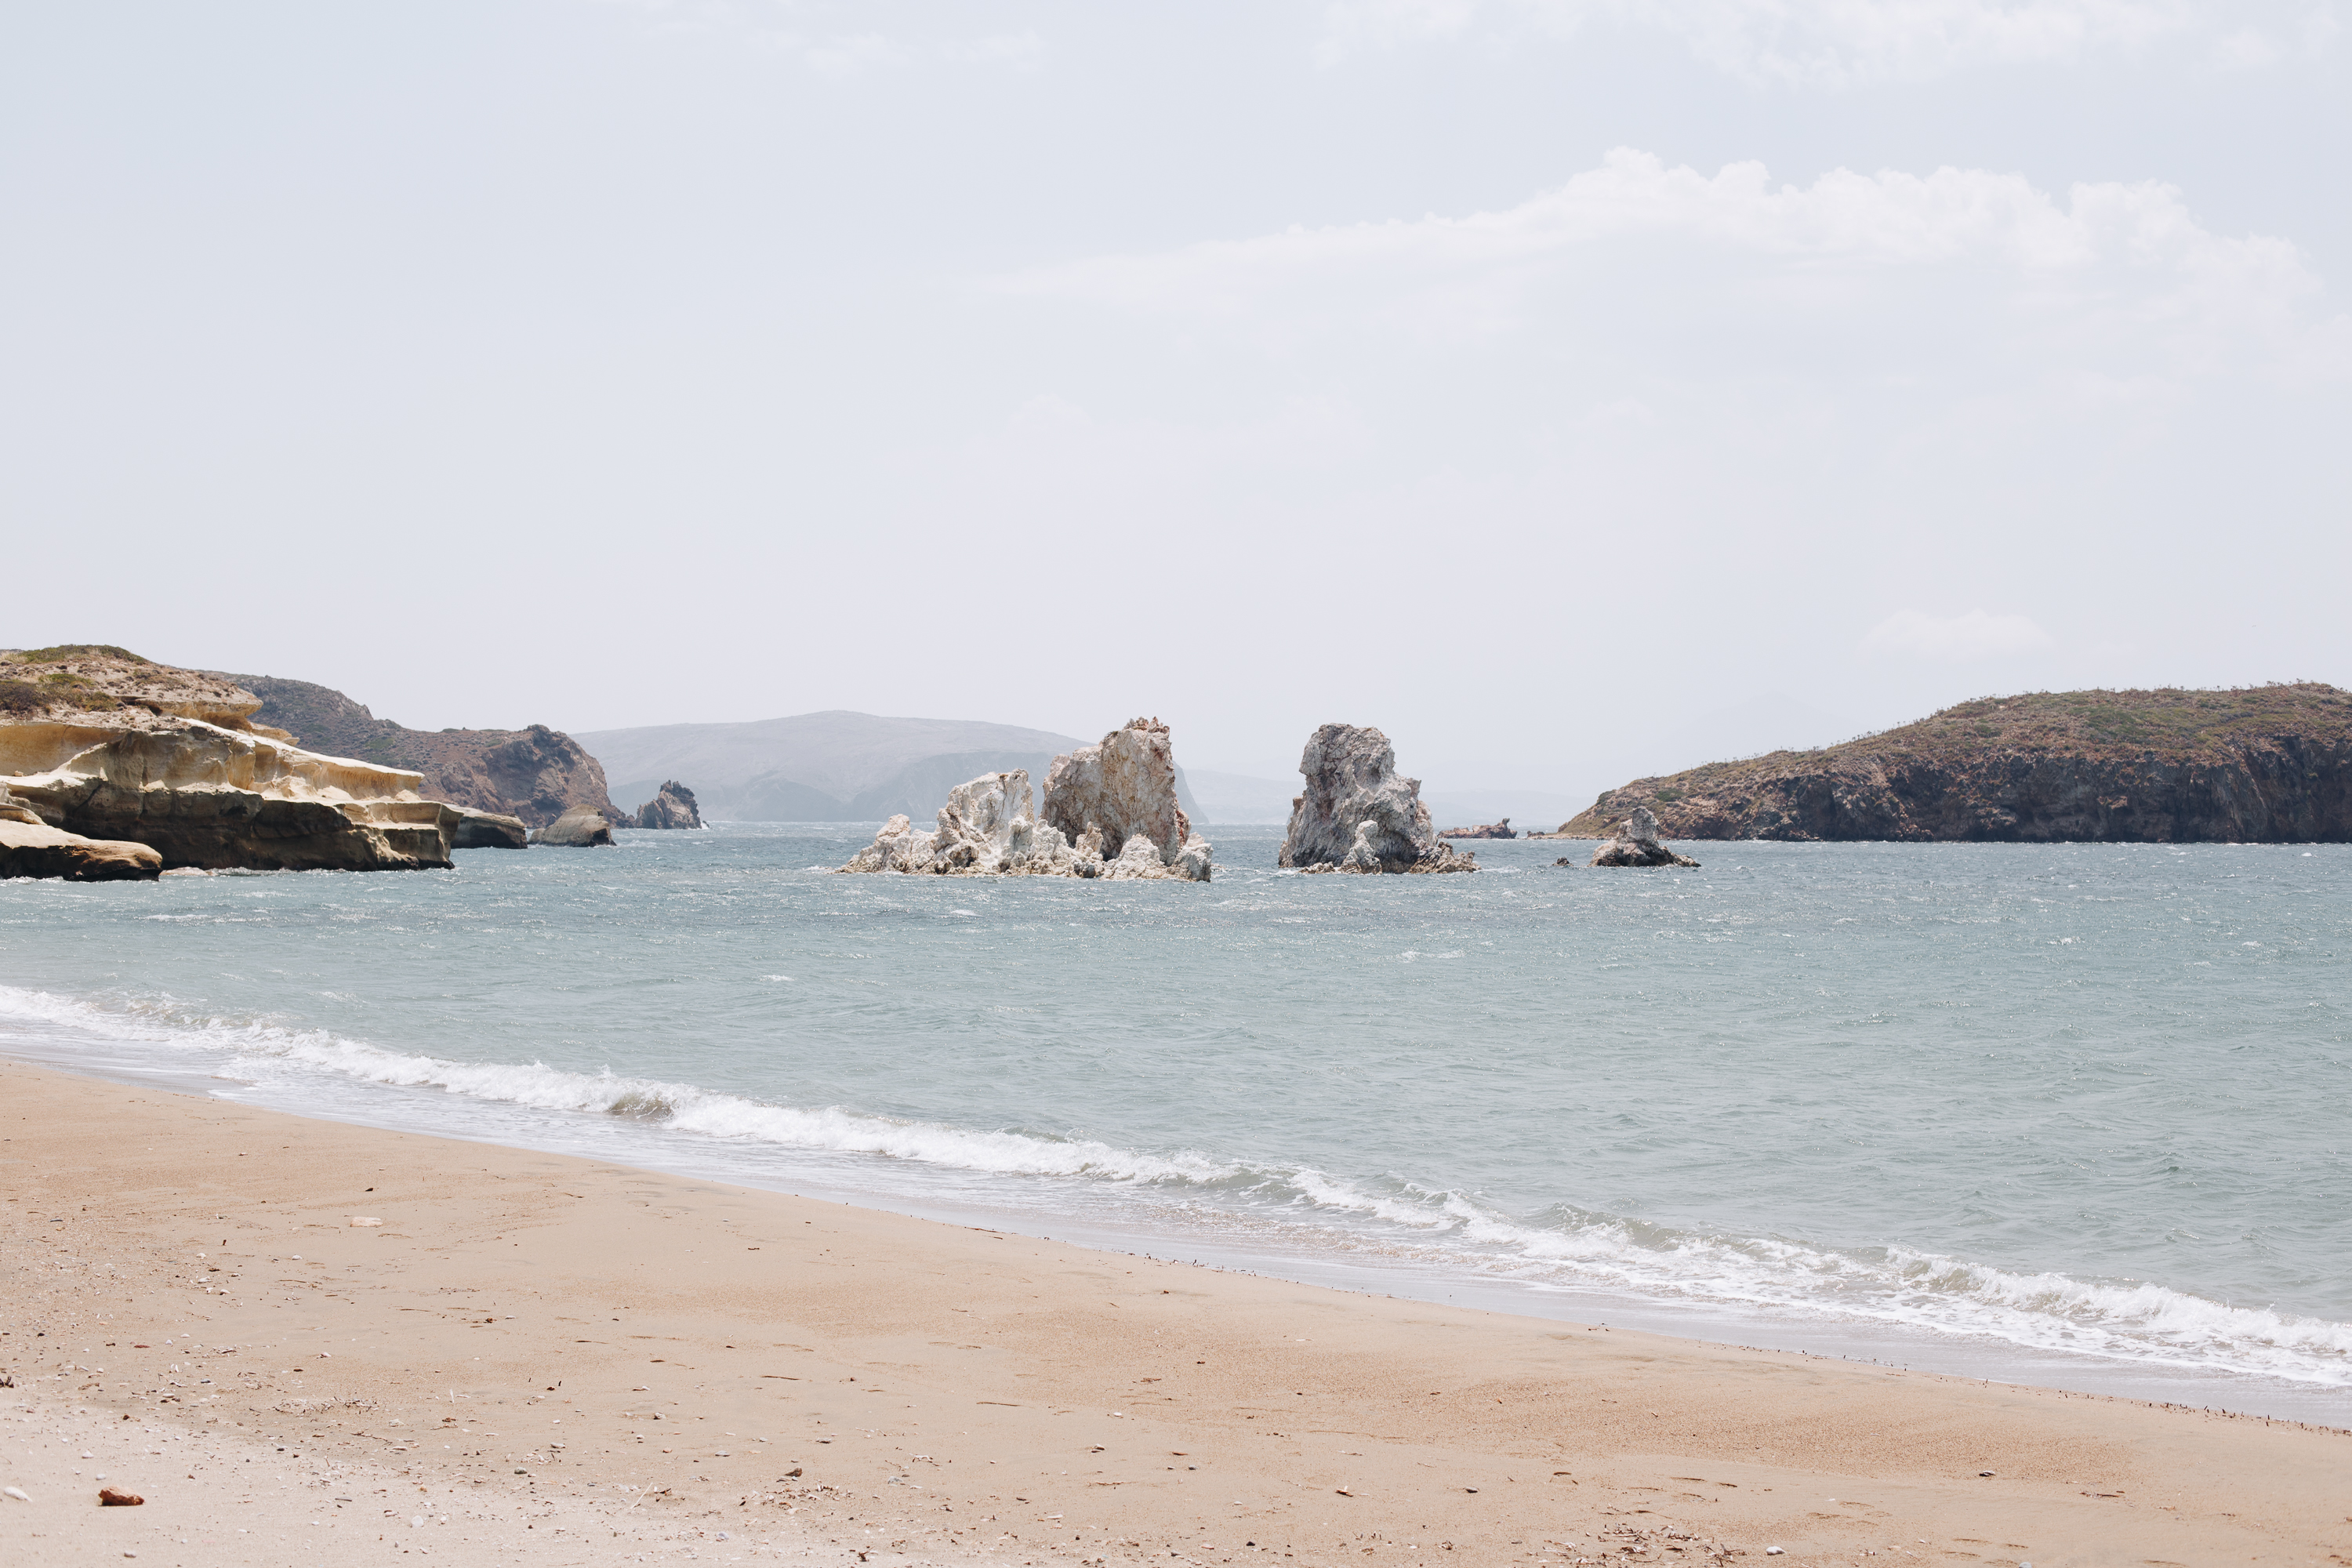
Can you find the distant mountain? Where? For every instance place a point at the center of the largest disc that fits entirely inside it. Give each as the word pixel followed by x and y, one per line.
pixel 2264 764
pixel 536 774
pixel 835 766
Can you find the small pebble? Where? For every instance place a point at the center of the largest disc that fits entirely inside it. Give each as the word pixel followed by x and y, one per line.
pixel 16 1492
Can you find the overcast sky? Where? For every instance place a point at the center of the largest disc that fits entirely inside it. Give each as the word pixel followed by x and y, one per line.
pixel 1535 379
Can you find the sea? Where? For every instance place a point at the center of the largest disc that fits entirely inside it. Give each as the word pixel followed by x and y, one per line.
pixel 2073 1115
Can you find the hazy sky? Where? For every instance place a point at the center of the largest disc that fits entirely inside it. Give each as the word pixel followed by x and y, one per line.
pixel 1531 378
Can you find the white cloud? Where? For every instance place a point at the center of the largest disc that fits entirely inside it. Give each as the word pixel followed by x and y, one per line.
pixel 1955 640
pixel 1841 43
pixel 2118 280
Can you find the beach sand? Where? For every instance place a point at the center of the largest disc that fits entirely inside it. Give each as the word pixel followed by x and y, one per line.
pixel 539 1358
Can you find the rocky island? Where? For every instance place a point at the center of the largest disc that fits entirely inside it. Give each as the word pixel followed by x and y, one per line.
pixel 1502 829
pixel 672 806
pixel 1109 811
pixel 2262 764
pixel 1358 814
pixel 98 743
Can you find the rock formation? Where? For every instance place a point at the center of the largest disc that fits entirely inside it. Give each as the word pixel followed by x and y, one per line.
pixel 1123 788
pixel 1502 829
pixel 1636 844
pixel 535 773
pixel 1358 814
pixel 673 807
pixel 488 830
pixel 30 847
pixel 1120 793
pixel 581 827
pixel 2265 764
pixel 99 742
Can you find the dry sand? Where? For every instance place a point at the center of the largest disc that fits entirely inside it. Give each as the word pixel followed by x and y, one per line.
pixel 544 1360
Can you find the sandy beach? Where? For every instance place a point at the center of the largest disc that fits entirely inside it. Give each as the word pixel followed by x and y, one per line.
pixel 538 1359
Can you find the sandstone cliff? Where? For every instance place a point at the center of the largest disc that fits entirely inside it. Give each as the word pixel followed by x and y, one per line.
pixel 673 806
pixel 99 742
pixel 2266 764
pixel 1358 814
pixel 534 774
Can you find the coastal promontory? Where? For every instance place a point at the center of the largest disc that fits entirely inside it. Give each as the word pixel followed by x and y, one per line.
pixel 2257 765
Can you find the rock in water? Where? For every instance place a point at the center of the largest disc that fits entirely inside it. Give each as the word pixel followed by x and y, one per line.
pixel 1502 829
pixel 31 847
pixel 1358 814
pixel 580 828
pixel 488 830
pixel 673 807
pixel 1636 844
pixel 989 828
pixel 1124 787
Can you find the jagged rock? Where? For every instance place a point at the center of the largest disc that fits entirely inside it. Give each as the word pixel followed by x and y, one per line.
pixel 581 827
pixel 673 807
pixel 31 847
pixel 988 827
pixel 1124 787
pixel 488 830
pixel 1358 814
pixel 1502 829
pixel 1636 844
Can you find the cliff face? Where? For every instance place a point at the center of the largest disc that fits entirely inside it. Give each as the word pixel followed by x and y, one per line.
pixel 537 774
pixel 2269 765
pixel 99 742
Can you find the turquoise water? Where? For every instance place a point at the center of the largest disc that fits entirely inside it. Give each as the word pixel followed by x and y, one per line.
pixel 1988 1107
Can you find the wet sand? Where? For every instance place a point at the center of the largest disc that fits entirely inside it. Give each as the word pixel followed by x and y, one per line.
pixel 540 1359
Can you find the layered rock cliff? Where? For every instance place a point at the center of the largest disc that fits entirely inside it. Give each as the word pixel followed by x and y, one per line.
pixel 535 773
pixel 1358 814
pixel 1109 811
pixel 99 742
pixel 31 847
pixel 2265 764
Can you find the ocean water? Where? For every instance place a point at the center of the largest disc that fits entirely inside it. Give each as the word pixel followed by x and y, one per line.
pixel 2073 1114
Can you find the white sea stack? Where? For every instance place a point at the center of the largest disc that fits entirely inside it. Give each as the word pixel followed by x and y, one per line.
pixel 1358 814
pixel 1121 792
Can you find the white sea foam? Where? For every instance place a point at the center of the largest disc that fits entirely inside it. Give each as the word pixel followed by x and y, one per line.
pixel 1569 1250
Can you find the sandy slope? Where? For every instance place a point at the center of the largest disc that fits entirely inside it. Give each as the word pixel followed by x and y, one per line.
pixel 536 1359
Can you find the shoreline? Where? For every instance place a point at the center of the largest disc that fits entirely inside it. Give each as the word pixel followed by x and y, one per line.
pixel 1369 1271
pixel 969 1394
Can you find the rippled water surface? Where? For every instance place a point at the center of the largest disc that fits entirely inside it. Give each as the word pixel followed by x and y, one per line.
pixel 2089 1102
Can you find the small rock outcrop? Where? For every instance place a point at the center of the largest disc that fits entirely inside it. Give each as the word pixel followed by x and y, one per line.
pixel 672 808
pixel 1110 811
pixel 1358 814
pixel 1502 829
pixel 31 847
pixel 1636 844
pixel 488 830
pixel 1124 788
pixel 581 827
